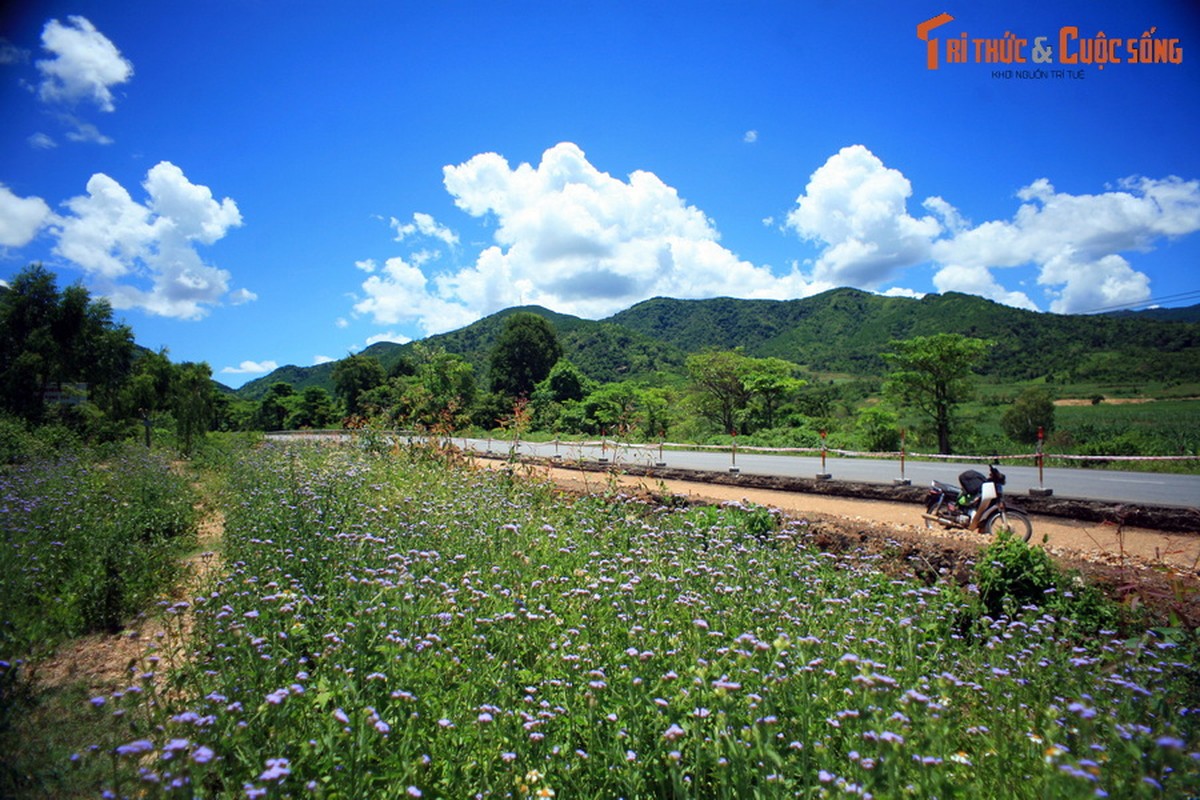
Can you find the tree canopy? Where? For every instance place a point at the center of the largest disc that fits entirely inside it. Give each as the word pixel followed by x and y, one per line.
pixel 525 352
pixel 52 339
pixel 933 374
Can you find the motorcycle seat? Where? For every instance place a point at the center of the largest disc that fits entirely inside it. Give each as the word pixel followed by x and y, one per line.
pixel 949 489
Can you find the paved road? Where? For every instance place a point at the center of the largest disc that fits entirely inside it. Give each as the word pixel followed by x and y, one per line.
pixel 1107 485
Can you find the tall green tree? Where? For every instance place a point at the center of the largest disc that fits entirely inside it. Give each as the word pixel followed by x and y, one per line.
pixel 354 375
pixel 719 386
pixel 934 374
pixel 275 407
pixel 525 352
pixel 194 401
pixel 771 382
pixel 316 409
pixel 50 337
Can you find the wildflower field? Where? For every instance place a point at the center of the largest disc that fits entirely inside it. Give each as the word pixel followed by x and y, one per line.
pixel 394 625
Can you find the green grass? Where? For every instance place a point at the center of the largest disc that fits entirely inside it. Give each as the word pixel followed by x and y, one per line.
pixel 391 626
pixel 89 541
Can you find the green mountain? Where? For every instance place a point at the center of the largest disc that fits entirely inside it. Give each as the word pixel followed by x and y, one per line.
pixel 602 351
pixel 846 330
pixel 842 330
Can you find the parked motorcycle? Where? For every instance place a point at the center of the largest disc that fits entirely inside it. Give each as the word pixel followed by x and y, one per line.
pixel 977 504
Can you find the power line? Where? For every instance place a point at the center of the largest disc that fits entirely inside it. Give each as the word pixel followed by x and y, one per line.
pixel 1181 296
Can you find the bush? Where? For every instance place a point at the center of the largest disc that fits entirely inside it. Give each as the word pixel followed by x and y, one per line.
pixel 1011 574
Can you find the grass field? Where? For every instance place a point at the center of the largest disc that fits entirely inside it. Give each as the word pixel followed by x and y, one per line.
pixel 392 626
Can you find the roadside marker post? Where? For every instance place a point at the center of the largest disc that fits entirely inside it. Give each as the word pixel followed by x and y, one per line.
pixel 1040 457
pixel 902 481
pixel 823 475
pixel 733 454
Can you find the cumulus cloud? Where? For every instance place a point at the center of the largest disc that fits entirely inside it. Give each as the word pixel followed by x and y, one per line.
pixel 84 67
pixel 251 368
pixel 21 218
pixel 1076 241
pixel 425 225
pixel 567 236
pixel 123 244
pixel 571 237
pixel 320 359
pixel 856 209
pixel 750 137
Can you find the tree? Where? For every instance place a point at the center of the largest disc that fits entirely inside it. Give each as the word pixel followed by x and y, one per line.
pixel 275 407
pixel 1033 409
pixel 933 374
pixel 193 402
pixel 441 391
pixel 354 375
pixel 614 408
pixel 316 409
pixel 49 337
pixel 719 385
pixel 525 352
pixel 770 381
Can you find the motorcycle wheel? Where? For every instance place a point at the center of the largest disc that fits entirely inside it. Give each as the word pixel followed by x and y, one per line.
pixel 1010 521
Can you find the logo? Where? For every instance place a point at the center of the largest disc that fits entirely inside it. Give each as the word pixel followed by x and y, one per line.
pixel 1049 53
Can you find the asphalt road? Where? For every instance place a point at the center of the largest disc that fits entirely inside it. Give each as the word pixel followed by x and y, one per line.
pixel 1091 484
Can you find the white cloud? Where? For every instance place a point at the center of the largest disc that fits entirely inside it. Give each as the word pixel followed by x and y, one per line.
pixel 85 64
pixel 979 280
pixel 11 54
pixel 241 296
pixel 1076 241
pixel 121 243
pixel 84 132
pixel 319 359
pixel 750 137
pixel 21 218
pixel 425 225
pixel 389 336
pixel 251 368
pixel 42 141
pixel 569 237
pixel 578 240
pixel 856 208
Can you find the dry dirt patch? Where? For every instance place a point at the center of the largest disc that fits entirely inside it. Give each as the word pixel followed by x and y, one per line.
pixel 102 661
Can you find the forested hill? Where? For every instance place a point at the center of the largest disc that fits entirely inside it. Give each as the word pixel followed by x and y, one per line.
pixel 843 330
pixel 602 350
pixel 846 330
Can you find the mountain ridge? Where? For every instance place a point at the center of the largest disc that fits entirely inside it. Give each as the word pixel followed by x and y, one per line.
pixel 842 330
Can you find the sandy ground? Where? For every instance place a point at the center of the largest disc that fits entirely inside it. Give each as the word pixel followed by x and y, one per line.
pixel 1096 542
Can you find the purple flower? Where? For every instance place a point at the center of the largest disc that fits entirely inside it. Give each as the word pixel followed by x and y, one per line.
pixel 135 748
pixel 340 716
pixel 276 768
pixel 202 755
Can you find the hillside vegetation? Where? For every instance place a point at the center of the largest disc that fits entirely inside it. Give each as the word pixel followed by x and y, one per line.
pixel 841 331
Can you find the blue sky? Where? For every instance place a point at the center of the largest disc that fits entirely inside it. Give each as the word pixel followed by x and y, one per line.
pixel 257 183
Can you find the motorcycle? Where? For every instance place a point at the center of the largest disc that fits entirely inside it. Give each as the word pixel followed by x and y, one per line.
pixel 977 504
